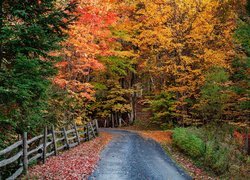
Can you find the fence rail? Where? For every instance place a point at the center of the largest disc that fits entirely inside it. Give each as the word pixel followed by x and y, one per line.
pixel 43 146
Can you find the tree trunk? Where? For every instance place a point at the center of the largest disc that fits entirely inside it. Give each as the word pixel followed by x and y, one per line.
pixel 1 26
pixel 112 119
pixel 133 107
pixel 116 119
pixel 120 121
pixel 105 123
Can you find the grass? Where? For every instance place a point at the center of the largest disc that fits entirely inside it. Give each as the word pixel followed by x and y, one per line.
pixel 222 155
pixel 189 143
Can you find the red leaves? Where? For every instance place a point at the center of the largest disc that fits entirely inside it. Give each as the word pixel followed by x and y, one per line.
pixel 76 163
pixel 240 137
pixel 89 38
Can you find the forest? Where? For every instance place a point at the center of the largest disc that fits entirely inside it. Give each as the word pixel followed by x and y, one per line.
pixel 176 65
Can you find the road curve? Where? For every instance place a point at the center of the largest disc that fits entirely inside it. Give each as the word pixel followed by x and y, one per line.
pixel 131 157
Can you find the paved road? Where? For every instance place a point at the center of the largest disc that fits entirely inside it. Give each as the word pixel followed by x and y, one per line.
pixel 130 157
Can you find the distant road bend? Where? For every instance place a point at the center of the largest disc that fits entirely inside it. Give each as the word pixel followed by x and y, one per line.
pixel 131 157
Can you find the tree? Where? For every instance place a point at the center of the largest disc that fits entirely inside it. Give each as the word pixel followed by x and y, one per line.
pixel 89 39
pixel 214 96
pixel 113 90
pixel 162 107
pixel 175 42
pixel 30 31
pixel 238 108
pixel 112 104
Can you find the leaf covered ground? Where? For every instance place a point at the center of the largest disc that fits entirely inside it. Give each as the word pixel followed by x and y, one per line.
pixel 159 136
pixel 76 163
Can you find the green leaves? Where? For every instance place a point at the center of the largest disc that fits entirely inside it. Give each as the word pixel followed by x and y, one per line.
pixel 23 91
pixel 242 35
pixel 118 66
pixel 162 106
pixel 115 99
pixel 29 33
pixel 189 143
pixel 213 99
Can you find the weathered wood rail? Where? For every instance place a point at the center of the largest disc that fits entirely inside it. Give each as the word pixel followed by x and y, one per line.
pixel 51 142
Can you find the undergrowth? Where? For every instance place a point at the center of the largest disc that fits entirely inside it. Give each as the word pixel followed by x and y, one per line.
pixel 215 149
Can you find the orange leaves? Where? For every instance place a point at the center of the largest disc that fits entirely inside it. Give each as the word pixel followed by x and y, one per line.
pixel 176 42
pixel 159 136
pixel 60 82
pixel 81 91
pixel 61 64
pixel 89 38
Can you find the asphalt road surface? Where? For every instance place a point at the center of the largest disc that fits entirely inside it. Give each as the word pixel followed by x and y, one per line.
pixel 131 157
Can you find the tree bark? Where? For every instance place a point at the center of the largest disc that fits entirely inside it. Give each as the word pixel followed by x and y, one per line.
pixel 112 119
pixel 1 26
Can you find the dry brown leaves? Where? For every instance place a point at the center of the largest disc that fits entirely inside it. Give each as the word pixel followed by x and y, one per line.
pixel 189 166
pixel 76 163
pixel 159 136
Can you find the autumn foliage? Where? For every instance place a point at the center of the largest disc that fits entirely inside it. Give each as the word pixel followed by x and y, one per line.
pixel 75 60
pixel 177 48
pixel 77 163
pixel 88 39
pixel 188 59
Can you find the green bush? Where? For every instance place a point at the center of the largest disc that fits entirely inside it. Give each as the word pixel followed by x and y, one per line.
pixel 216 157
pixel 189 143
pixel 213 148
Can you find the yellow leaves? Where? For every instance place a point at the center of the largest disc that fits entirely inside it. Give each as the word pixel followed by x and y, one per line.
pixel 176 41
pixel 124 54
pixel 186 60
pixel 78 120
pixel 215 58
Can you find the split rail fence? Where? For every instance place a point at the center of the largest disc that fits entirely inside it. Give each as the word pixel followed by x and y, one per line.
pixel 51 142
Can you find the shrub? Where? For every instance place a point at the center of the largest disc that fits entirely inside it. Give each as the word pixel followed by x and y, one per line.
pixel 189 143
pixel 221 154
pixel 216 157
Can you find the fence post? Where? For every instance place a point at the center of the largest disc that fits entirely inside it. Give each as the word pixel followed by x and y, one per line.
pixel 92 129
pixel 77 135
pixel 66 137
pixel 25 153
pixel 54 139
pixel 96 125
pixel 247 143
pixel 45 133
pixel 87 132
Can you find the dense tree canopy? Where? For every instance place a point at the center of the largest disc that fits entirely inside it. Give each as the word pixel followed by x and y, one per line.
pixel 65 61
pixel 30 31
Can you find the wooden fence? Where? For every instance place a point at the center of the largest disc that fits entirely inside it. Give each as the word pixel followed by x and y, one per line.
pixel 51 142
